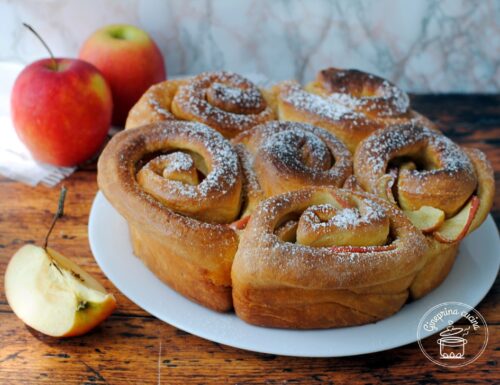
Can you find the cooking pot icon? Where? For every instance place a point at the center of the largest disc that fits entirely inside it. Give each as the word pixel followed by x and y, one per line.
pixel 452 343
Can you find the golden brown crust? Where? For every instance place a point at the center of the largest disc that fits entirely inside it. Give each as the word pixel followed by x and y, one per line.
pixel 445 180
pixel 225 101
pixel 159 232
pixel 333 286
pixel 439 261
pixel 361 91
pixel 155 105
pixel 413 167
pixel 315 258
pixel 349 103
pixel 288 156
pixel 293 308
pixel 298 105
pixel 184 275
pixel 485 186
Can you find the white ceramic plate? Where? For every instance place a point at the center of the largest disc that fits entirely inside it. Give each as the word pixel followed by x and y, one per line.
pixel 472 276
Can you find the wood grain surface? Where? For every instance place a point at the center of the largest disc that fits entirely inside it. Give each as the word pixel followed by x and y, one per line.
pixel 132 347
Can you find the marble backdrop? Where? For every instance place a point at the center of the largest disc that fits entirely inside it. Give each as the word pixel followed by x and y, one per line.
pixel 422 45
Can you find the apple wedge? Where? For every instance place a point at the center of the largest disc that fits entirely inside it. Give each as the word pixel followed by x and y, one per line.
pixel 457 227
pixel 384 187
pixel 240 224
pixel 427 219
pixel 53 295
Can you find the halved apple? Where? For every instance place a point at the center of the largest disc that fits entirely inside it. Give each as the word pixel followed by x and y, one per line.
pixel 53 295
pixel 427 219
pixel 457 227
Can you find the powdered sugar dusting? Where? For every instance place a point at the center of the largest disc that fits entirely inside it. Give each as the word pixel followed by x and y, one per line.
pixel 299 149
pixel 315 104
pixel 248 98
pixel 383 145
pixel 251 181
pixel 286 146
pixel 178 161
pixel 246 105
pixel 264 251
pixel 158 108
pixel 345 218
pixel 364 92
pixel 224 161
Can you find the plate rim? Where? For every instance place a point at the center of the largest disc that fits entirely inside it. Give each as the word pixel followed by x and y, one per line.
pixel 100 199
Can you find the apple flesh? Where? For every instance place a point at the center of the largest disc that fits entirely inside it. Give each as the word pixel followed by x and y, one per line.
pixel 457 227
pixel 61 109
pixel 130 61
pixel 53 295
pixel 427 219
pixel 362 249
pixel 240 224
pixel 384 187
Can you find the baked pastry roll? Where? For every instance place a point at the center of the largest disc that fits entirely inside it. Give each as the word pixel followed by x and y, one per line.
pixel 178 185
pixel 225 101
pixel 155 105
pixel 446 191
pixel 349 103
pixel 324 257
pixel 279 157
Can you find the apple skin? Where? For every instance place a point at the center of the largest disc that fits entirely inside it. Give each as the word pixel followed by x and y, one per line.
pixel 456 228
pixel 41 298
pixel 61 114
pixel 130 61
pixel 362 249
pixel 240 224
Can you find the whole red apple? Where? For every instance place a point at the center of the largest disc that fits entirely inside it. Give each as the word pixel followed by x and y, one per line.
pixel 129 60
pixel 61 109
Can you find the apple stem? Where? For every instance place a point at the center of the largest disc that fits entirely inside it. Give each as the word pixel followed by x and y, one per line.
pixel 59 213
pixel 54 63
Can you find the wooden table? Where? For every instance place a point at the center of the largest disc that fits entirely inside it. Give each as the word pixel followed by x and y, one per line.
pixel 134 347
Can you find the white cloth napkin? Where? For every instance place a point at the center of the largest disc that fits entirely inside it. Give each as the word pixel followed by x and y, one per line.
pixel 15 160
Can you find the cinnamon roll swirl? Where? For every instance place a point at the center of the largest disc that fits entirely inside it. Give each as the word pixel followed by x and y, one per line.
pixel 225 101
pixel 445 190
pixel 324 257
pixel 274 220
pixel 179 185
pixel 286 156
pixel 155 105
pixel 349 103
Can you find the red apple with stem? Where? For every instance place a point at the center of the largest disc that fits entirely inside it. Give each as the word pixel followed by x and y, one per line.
pixel 61 109
pixel 130 61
